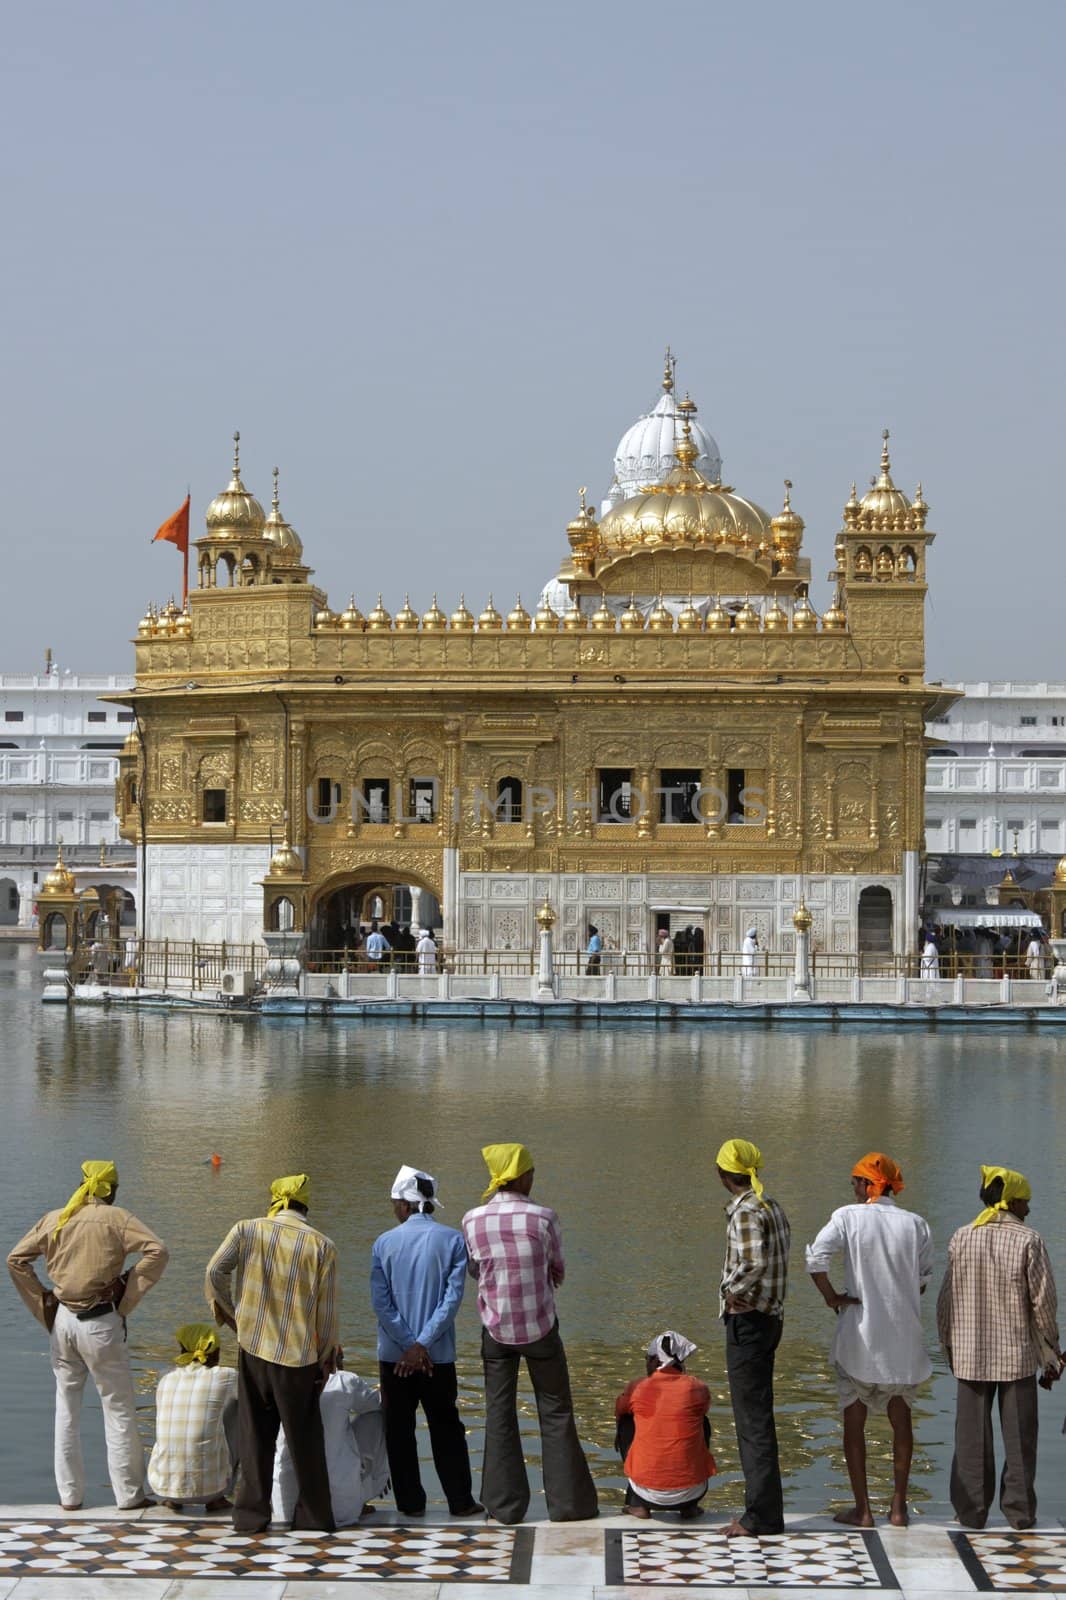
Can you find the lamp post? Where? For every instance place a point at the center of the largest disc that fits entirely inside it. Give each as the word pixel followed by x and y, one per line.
pixel 545 971
pixel 802 921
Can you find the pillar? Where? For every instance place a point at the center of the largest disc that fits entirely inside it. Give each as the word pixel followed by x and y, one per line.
pixel 416 907
pixel 546 968
pixel 801 980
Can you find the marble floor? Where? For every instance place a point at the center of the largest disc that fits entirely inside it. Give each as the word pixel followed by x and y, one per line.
pixel 98 1554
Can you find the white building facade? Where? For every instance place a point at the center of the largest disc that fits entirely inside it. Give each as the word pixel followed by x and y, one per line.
pixel 59 746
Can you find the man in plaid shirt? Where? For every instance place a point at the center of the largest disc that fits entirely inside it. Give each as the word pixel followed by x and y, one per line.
pixel 752 1305
pixel 516 1254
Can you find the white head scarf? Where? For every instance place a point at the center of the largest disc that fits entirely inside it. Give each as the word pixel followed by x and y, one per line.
pixel 679 1351
pixel 405 1187
pixel 752 933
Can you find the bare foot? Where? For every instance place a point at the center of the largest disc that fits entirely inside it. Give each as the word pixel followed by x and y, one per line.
pixel 78 1507
pixel 637 1511
pixel 897 1515
pixel 737 1530
pixel 855 1518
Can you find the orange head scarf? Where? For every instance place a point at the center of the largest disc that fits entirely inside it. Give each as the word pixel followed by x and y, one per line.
pixel 882 1172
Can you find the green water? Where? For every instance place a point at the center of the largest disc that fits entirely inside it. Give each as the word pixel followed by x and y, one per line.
pixel 623 1122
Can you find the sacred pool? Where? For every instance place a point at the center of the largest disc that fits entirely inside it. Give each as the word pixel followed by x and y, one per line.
pixel 623 1121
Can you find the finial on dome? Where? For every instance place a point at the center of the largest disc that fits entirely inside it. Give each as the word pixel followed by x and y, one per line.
pixel 583 491
pixel 236 454
pixel 275 502
pixel 669 368
pixel 884 450
pixel 686 451
pixel 788 494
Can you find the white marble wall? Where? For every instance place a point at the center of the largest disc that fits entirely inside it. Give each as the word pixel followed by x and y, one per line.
pixel 206 892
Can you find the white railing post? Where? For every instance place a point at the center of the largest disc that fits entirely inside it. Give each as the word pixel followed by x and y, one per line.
pixel 801 980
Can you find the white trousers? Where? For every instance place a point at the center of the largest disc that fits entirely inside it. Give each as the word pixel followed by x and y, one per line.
pixel 96 1349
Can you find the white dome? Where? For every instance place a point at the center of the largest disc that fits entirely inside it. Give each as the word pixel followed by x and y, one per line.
pixel 645 452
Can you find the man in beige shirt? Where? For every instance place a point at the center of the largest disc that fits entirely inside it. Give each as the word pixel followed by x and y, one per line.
pixel 85 1246
pixel 997 1320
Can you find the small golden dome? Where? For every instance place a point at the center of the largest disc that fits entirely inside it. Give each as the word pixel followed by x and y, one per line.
pixel 462 620
pixel 775 620
pixel 434 620
pixel 235 510
pixel 406 618
pixel 1060 871
pixel 146 626
pixel 804 616
pixel 326 618
pixel 519 619
pixel 852 509
pixel 379 620
pixel 661 619
pixel 883 499
pixel 490 620
pixel 787 532
pixel 747 618
pixel 60 881
pixel 546 619
pixel 285 862
pixel 183 624
pixel 574 619
pixel 351 618
pixel 835 619
pixel 632 618
pixel 167 617
pixel 581 532
pixel 718 618
pixel 885 565
pixel 689 619
pixel 285 539
pixel 603 620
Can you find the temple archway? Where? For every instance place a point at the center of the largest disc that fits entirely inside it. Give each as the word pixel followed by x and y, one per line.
pixel 875 920
pixel 344 907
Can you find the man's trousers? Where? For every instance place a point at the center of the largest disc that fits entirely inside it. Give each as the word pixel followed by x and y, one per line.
pixel 401 1398
pixel 973 1471
pixel 751 1341
pixel 270 1396
pixel 95 1348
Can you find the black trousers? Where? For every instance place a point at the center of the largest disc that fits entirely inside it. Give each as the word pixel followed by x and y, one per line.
pixel 751 1341
pixel 268 1397
pixel 568 1486
pixel 401 1398
pixel 624 1434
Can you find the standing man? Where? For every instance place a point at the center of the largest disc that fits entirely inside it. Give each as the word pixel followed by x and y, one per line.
pixel 516 1255
pixel 377 946
pixel 594 952
pixel 426 951
pixel 417 1279
pixel 749 951
pixel 284 1312
pixel 752 1306
pixel 997 1320
pixel 878 1351
pixel 665 953
pixel 85 1247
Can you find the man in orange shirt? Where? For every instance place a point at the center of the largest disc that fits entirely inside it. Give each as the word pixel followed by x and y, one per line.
pixel 663 1433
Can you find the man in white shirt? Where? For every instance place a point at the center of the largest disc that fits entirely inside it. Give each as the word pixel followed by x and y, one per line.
pixel 426 951
pixel 355 1451
pixel 878 1349
pixel 376 945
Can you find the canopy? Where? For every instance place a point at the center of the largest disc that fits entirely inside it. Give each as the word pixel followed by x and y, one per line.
pixel 986 917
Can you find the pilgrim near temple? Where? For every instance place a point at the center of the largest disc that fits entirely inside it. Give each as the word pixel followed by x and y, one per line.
pixel 676 737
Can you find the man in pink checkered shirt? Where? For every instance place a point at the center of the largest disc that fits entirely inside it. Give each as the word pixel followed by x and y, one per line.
pixel 516 1254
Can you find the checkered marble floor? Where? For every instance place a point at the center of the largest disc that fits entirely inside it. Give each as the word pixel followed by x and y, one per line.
pixel 1015 1562
pixel 110 1549
pixel 814 1560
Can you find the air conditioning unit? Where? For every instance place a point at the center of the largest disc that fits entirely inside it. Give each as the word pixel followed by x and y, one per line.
pixel 238 982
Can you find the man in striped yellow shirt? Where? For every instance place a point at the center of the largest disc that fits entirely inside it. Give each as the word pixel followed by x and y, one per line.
pixel 283 1308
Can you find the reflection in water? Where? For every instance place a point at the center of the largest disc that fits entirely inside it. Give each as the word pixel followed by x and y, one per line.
pixel 623 1122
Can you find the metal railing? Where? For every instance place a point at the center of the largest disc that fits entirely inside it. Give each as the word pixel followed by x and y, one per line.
pixel 165 963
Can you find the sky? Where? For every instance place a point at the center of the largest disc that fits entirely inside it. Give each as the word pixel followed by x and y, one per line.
pixel 426 259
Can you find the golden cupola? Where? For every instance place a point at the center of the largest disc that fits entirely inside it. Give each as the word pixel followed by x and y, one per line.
pixel 60 881
pixel 281 534
pixel 786 531
pixel 235 510
pixel 884 508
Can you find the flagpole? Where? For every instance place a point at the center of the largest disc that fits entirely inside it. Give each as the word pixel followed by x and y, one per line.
pixel 185 561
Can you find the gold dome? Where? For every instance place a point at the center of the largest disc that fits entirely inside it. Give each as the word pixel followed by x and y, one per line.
pixel 546 619
pixel 574 619
pixel 146 626
pixel 718 618
pixel 852 509
pixel 183 624
pixel 804 616
pixel 351 618
pixel 406 618
pixel 462 620
pixel 379 620
pixel 835 619
pixel 434 620
pixel 235 510
pixel 581 532
pixel 747 618
pixel 1060 871
pixel 603 620
pixel 326 618
pixel 689 619
pixel 285 862
pixel 787 532
pixel 661 619
pixel 632 618
pixel 490 620
pixel 285 539
pixel 684 510
pixel 775 620
pixel 167 617
pixel 519 619
pixel 60 881
pixel 883 499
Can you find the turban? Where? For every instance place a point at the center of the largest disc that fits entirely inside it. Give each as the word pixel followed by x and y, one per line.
pixel 505 1162
pixel 881 1171
pixel 670 1348
pixel 100 1178
pixel 405 1187
pixel 198 1340
pixel 745 1159
pixel 284 1190
pixel 1015 1187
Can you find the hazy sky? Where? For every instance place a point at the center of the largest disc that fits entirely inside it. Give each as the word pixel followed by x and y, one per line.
pixel 426 257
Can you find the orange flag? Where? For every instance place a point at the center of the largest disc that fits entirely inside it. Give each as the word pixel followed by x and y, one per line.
pixel 175 530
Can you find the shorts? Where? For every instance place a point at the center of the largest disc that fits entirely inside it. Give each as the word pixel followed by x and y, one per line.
pixel 875 1396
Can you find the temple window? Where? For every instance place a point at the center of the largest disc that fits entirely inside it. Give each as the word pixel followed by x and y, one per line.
pixel 327 799
pixel 214 805
pixel 615 794
pixel 745 791
pixel 509 800
pixel 678 791
pixel 423 799
pixel 373 800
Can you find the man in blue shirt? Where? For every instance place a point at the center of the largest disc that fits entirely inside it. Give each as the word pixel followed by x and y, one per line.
pixel 417 1278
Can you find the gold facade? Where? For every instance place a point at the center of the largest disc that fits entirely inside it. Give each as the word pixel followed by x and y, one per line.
pixel 260 692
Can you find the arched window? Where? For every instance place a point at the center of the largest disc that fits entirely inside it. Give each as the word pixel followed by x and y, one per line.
pixel 282 916
pixel 509 800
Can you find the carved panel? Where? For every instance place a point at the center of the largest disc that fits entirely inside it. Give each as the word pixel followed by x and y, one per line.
pixel 603 889
pixel 509 929
pixel 509 889
pixel 472 939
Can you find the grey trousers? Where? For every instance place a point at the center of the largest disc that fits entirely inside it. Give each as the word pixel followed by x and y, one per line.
pixel 973 1471
pixel 568 1486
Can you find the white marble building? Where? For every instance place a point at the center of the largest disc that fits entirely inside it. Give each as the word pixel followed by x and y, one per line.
pixel 59 746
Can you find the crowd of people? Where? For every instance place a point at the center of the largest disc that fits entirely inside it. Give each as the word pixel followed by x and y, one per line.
pixel 391 946
pixel 986 953
pixel 291 1436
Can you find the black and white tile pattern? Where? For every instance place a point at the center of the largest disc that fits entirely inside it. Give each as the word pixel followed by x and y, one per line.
pixel 705 1557
pixel 1016 1562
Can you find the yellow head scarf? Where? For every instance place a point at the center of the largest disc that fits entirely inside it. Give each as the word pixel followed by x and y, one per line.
pixel 198 1340
pixel 1015 1187
pixel 100 1178
pixel 284 1190
pixel 743 1158
pixel 505 1161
